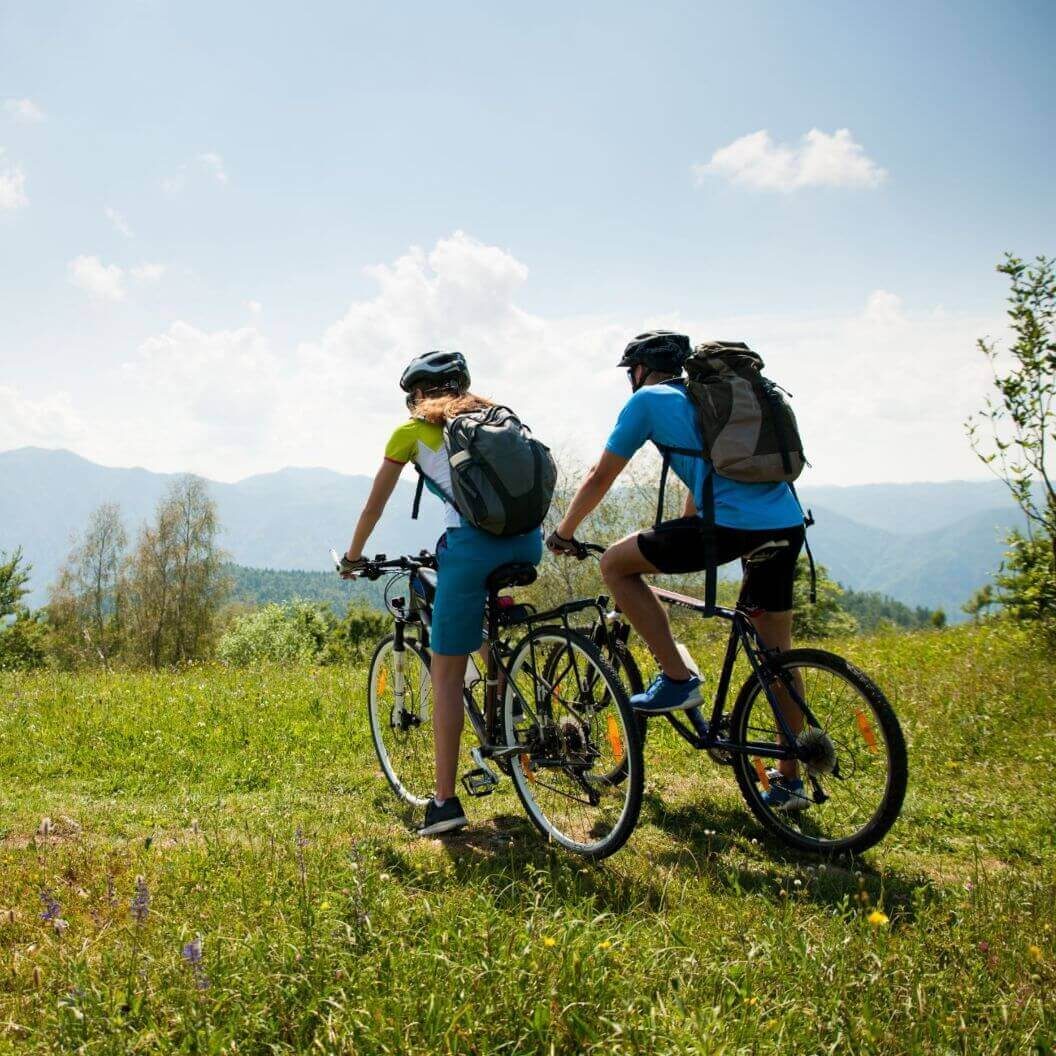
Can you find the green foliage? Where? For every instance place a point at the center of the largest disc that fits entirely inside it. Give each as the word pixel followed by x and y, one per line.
pixel 23 643
pixel 14 575
pixel 355 636
pixel 301 631
pixel 261 586
pixel 276 633
pixel 1022 416
pixel 980 602
pixel 22 639
pixel 871 608
pixel 1026 582
pixel 250 803
pixel 827 617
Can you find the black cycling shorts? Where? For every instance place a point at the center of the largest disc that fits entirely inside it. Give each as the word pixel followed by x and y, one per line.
pixel 680 546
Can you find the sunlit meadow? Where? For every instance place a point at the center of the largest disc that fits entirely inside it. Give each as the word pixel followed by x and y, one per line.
pixel 209 861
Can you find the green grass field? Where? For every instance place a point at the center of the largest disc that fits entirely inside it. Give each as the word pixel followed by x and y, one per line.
pixel 251 806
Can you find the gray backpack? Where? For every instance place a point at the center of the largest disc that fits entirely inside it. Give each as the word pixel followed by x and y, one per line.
pixel 749 430
pixel 502 478
pixel 749 434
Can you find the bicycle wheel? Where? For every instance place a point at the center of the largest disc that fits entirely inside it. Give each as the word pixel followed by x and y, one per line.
pixel 401 722
pixel 852 760
pixel 578 730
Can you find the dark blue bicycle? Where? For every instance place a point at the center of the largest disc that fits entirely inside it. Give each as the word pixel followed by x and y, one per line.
pixel 805 710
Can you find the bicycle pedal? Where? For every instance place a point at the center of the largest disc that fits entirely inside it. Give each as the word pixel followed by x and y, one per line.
pixel 479 782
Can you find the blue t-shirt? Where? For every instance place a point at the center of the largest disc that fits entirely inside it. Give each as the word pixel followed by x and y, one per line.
pixel 665 414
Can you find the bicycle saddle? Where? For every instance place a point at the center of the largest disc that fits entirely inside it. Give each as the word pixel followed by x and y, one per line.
pixel 518 574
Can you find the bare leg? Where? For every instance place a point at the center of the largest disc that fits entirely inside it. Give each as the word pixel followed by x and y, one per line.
pixel 447 674
pixel 775 630
pixel 622 567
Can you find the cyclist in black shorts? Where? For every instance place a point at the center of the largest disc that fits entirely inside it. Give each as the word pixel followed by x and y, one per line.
pixel 746 517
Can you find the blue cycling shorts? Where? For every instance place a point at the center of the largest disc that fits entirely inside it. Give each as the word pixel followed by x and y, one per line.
pixel 465 558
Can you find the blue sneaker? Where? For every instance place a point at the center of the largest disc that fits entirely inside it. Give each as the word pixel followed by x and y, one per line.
pixel 786 795
pixel 664 695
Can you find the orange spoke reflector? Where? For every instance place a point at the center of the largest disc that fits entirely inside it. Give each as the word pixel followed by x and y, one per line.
pixel 383 680
pixel 526 766
pixel 615 740
pixel 760 769
pixel 866 730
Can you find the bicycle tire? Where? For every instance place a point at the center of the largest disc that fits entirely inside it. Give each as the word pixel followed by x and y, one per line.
pixel 631 782
pixel 412 784
pixel 890 804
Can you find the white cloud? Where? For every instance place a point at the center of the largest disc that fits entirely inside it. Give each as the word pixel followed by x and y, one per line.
pixel 255 307
pixel 147 273
pixel 872 387
pixel 209 162
pixel 12 185
pixel 174 184
pixel 105 281
pixel 819 160
pixel 215 164
pixel 48 422
pixel 24 110
pixel 119 222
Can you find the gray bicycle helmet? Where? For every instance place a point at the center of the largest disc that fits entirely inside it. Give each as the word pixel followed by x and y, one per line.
pixel 661 350
pixel 435 370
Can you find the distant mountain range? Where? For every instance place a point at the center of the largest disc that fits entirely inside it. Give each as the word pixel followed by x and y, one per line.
pixel 924 544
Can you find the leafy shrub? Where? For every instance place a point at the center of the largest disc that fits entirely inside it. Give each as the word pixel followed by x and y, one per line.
pixel 355 635
pixel 300 631
pixel 825 619
pixel 280 633
pixel 1026 582
pixel 23 643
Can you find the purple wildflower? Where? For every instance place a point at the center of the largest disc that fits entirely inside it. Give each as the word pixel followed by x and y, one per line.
pixel 52 908
pixel 141 901
pixel 192 954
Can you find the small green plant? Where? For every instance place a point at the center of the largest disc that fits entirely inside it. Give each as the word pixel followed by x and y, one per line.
pixel 276 633
pixel 827 617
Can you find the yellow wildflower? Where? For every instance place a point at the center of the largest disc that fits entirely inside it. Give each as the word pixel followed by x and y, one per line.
pixel 549 941
pixel 877 918
pixel 1035 953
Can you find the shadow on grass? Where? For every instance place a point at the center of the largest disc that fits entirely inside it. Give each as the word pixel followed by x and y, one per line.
pixel 706 830
pixel 507 857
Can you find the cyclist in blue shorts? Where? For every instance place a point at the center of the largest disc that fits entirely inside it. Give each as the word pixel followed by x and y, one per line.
pixel 746 516
pixel 437 387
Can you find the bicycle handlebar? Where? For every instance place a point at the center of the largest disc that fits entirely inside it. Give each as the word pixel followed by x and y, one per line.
pixel 373 568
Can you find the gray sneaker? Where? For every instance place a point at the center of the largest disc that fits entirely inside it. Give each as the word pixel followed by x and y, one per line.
pixel 441 819
pixel 786 795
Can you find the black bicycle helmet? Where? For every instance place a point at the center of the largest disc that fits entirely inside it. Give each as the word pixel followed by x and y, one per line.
pixel 661 350
pixel 434 370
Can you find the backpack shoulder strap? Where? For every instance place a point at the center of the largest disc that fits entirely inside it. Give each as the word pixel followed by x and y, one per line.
pixel 808 520
pixel 707 514
pixel 418 489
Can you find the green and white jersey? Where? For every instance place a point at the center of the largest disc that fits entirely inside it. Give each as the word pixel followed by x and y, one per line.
pixel 423 444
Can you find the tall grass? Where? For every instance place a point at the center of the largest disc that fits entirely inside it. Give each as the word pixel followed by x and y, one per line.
pixel 209 861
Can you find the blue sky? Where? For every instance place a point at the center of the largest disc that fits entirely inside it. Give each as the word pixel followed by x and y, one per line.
pixel 263 160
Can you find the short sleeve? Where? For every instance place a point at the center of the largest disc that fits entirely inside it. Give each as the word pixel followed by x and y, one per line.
pixel 403 443
pixel 633 427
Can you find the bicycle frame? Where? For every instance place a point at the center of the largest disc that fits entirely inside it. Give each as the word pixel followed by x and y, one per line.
pixel 743 635
pixel 487 724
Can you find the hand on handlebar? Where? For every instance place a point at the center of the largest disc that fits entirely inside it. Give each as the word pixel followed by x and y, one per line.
pixel 352 569
pixel 563 547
